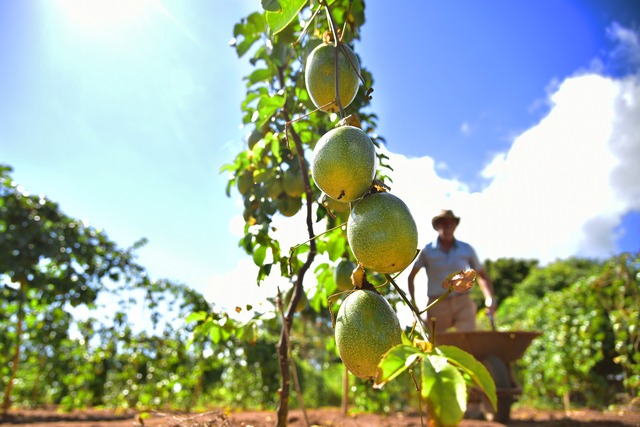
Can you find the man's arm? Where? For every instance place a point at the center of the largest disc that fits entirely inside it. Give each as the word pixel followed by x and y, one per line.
pixel 486 285
pixel 484 281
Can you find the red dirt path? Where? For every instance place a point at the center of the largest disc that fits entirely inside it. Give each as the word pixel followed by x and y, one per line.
pixel 326 417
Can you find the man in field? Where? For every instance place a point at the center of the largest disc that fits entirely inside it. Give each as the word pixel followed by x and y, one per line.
pixel 440 258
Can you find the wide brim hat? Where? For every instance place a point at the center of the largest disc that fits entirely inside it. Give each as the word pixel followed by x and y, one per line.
pixel 444 214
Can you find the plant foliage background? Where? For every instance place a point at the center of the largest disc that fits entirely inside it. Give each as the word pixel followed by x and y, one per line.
pixel 197 356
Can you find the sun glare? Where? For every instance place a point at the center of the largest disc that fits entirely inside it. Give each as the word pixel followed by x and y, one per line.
pixel 102 17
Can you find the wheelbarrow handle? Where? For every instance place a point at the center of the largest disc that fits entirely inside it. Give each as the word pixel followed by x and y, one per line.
pixel 492 319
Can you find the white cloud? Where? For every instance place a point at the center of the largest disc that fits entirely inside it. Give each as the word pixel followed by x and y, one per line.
pixel 495 166
pixel 628 48
pixel 560 190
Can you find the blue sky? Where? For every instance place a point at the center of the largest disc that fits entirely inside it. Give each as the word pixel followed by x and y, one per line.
pixel 123 112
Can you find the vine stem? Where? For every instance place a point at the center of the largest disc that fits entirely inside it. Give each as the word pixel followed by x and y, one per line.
pixel 298 289
pixel 337 43
pixel 293 249
pixel 294 370
pixel 413 308
pixel 419 390
pixel 440 298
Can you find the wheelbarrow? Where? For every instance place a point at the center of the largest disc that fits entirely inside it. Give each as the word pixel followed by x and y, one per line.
pixel 496 350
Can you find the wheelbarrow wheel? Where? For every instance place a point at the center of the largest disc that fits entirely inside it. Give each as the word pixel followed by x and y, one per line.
pixel 500 374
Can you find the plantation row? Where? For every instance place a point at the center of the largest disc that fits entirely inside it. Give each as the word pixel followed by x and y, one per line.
pixel 308 95
pixel 588 311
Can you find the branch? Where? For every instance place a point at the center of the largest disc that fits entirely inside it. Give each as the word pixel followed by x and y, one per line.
pixel 413 308
pixel 283 405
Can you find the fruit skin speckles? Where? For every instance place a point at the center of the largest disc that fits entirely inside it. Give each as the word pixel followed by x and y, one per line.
pixel 344 163
pixel 382 233
pixel 319 75
pixel 366 328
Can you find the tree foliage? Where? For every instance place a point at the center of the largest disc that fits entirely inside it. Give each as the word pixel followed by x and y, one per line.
pixel 588 312
pixel 50 264
pixel 506 273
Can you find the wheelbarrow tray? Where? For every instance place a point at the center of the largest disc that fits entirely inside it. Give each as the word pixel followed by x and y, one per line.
pixel 507 345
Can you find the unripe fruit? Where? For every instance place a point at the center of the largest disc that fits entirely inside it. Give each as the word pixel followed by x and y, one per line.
pixel 247 214
pixel 344 163
pixel 382 233
pixel 366 328
pixel 289 206
pixel 274 188
pixel 254 137
pixel 244 182
pixel 342 274
pixel 333 205
pixel 319 75
pixel 302 302
pixel 293 183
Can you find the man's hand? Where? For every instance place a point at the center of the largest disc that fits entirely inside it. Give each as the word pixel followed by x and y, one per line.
pixel 491 305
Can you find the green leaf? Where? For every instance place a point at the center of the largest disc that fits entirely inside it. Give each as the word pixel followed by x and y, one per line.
pixel 335 247
pixel 405 339
pixel 259 254
pixel 444 389
pixel 256 23
pixel 275 148
pixel 250 332
pixel 396 361
pixel 245 45
pixel 267 107
pixel 271 5
pixel 475 369
pixel 196 317
pixel 215 334
pixel 253 96
pixel 259 75
pixel 278 21
pixel 263 272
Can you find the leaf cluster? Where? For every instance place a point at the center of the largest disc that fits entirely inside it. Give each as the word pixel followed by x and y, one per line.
pixel 282 128
pixel 443 373
pixel 587 311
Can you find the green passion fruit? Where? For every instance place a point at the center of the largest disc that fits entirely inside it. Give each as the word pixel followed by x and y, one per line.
pixel 382 233
pixel 289 206
pixel 244 182
pixel 344 163
pixel 293 183
pixel 274 188
pixel 254 137
pixel 302 302
pixel 319 75
pixel 342 274
pixel 366 328
pixel 334 205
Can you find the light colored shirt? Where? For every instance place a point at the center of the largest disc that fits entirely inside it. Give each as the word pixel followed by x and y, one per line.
pixel 439 264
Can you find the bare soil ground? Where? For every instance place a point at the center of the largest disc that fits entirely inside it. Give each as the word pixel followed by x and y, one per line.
pixel 325 417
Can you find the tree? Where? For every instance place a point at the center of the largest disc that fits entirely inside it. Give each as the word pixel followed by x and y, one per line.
pixel 276 112
pixel 588 312
pixel 506 273
pixel 48 262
